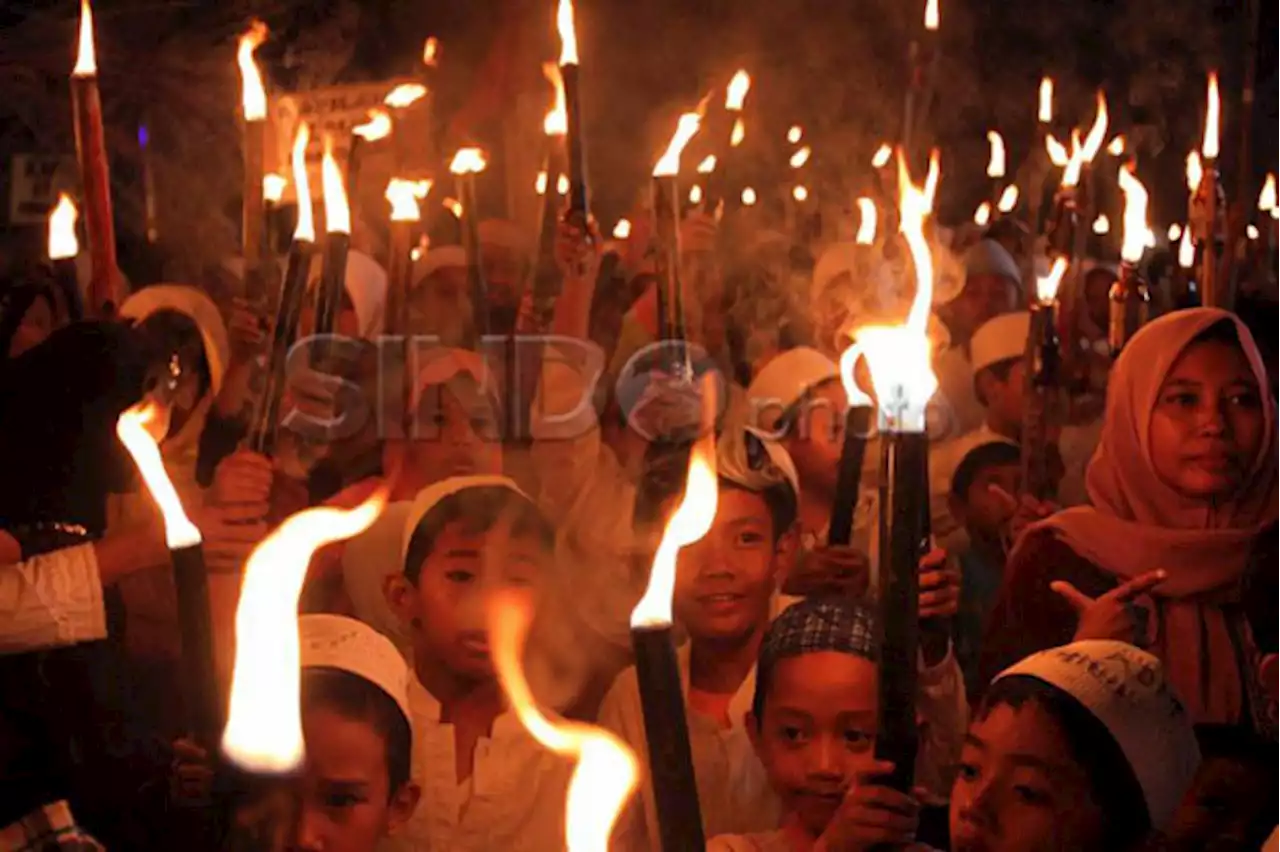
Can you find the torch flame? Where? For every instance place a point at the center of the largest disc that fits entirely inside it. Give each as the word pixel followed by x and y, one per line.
pixel 882 155
pixel 1008 198
pixel 800 192
pixel 606 773
pixel 738 133
pixel 622 230
pixel 1251 231
pixel 405 95
pixel 1267 196
pixel 431 52
pixel 562 185
pixel 799 158
pixel 86 55
pixel 1075 163
pixel 540 183
pixel 996 164
pixel 866 222
pixel 454 206
pixel 1116 147
pixel 748 196
pixel 982 215
pixel 557 121
pixel 1057 151
pixel 253 96
pixel 1195 171
pixel 1045 111
pixel 1102 225
pixel 1047 287
pixel 795 134
pixel 62 229
pixel 273 186
pixel 736 92
pixel 467 161
pixel 708 165
pixel 690 522
pixel 404 196
pixel 931 15
pixel 686 128
pixel 695 194
pixel 264 726
pixel 377 127
pixel 132 430
pixel 568 33
pixel 1186 250
pixel 1175 231
pixel 337 215
pixel 306 228
pixel 1097 133
pixel 1212 118
pixel 1135 216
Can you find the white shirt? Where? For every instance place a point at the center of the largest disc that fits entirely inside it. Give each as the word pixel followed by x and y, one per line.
pixel 514 799
pixel 51 600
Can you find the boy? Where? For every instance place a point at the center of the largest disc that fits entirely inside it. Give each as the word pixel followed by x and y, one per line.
pixel 486 783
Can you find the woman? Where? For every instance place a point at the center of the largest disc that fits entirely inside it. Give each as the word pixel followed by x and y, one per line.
pixel 1183 492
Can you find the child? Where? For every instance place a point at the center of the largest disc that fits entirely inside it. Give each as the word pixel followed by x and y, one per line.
pixel 486 783
pixel 1230 805
pixel 813 726
pixel 1079 747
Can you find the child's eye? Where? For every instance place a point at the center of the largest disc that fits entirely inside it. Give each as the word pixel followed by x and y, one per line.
pixel 1031 795
pixel 967 771
pixel 858 740
pixel 1182 399
pixel 459 576
pixel 1245 399
pixel 749 538
pixel 341 801
pixel 792 734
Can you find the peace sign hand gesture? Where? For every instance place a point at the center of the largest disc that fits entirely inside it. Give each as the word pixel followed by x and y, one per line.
pixel 1113 615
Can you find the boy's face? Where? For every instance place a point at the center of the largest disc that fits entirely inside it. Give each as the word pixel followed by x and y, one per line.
pixel 447 611
pixel 1018 788
pixel 1004 397
pixel 457 434
pixel 344 803
pixel 818 730
pixel 984 511
pixel 725 581
pixel 815 441
pixel 1228 807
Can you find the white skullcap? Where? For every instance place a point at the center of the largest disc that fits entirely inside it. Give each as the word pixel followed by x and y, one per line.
pixel 503 233
pixel 429 497
pixel 444 257
pixel 999 339
pixel 782 381
pixel 368 559
pixel 988 257
pixel 751 459
pixel 1125 689
pixel 197 307
pixel 337 642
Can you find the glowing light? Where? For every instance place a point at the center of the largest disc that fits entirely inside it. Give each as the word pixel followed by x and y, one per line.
pixel 337 214
pixel 1057 151
pixel 1135 216
pixel 1116 146
pixel 253 95
pixel 1175 231
pixel 695 194
pixel 799 158
pixel 1008 199
pixel 738 133
pixel 736 92
pixel 431 52
pixel 377 127
pixel 1186 250
pixel 305 231
pixel 881 156
pixel 562 185
pixel 132 429
pixel 996 163
pixel 931 15
pixel 1097 133
pixel 1195 171
pixel 1251 231
pixel 62 229
pixel 866 222
pixel 795 134
pixel 468 161
pixel 404 95
pixel 1044 111
pixel 404 196
pixel 982 216
pixel 568 33
pixel 540 183
pixel 622 230
pixel 86 54
pixel 273 186
pixel 1047 287
pixel 1267 195
pixel 1212 118
pixel 800 192
pixel 454 206
pixel 708 165
pixel 557 121
pixel 1102 225
pixel 748 196
pixel 686 129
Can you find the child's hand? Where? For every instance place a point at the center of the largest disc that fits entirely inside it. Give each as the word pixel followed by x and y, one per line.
pixel 1113 615
pixel 830 569
pixel 191 777
pixel 243 479
pixel 871 815
pixel 939 586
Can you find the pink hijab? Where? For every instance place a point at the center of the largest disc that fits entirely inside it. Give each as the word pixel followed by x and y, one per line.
pixel 1138 523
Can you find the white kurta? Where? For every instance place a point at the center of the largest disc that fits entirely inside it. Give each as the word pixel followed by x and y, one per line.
pixel 51 600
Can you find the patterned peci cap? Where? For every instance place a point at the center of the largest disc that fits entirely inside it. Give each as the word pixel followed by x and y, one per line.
pixel 821 623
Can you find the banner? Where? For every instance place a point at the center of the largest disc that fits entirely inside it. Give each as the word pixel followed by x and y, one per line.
pixel 34 183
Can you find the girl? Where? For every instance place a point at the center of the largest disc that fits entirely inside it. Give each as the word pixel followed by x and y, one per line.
pixel 1183 493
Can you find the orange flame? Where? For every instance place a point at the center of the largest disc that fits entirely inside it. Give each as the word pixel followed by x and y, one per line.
pixel 62 229
pixel 606 773
pixel 404 196
pixel 1175 231
pixel 468 161
pixel 86 55
pixel 799 158
pixel 337 214
pixel 1047 287
pixel 454 206
pixel 1102 225
pixel 748 196
pixel 708 165
pixel 306 228
pixel 1186 250
pixel 622 230
pixel 568 33
pixel 132 429
pixel 1212 118
pixel 1044 110
pixel 736 92
pixel 377 127
pixel 405 95
pixel 557 121
pixel 1267 195
pixel 996 163
pixel 540 183
pixel 931 15
pixel 562 185
pixel 800 192
pixel 881 158
pixel 1097 133
pixel 1008 198
pixel 1135 216
pixel 264 726
pixel 795 134
pixel 686 129
pixel 866 222
pixel 1056 150
pixel 738 133
pixel 1116 146
pixel 690 522
pixel 695 194
pixel 273 186
pixel 431 52
pixel 1195 171
pixel 982 216
pixel 1251 231
pixel 253 95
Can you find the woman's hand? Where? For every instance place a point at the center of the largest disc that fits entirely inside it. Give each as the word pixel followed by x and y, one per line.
pixel 871 815
pixel 1113 615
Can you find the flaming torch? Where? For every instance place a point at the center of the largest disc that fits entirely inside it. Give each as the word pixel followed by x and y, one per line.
pixel 266 416
pixel 666 212
pixel 404 196
pixel 665 725
pixel 578 196
pixel 1036 174
pixel 1209 189
pixel 606 771
pixel 204 710
pixel 468 163
pixel 1130 298
pixel 377 126
pixel 337 243
pixel 898 357
pixel 857 428
pixel 728 129
pixel 866 222
pixel 554 126
pixel 253 103
pixel 91 149
pixel 1267 203
pixel 995 163
pixel 1042 378
pixel 63 248
pixel 1008 199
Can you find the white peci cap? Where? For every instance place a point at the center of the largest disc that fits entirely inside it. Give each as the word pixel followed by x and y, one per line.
pixel 999 339
pixel 783 381
pixel 338 642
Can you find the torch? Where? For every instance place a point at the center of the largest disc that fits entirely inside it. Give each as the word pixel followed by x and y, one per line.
pixel 376 126
pixel 606 773
pixel 718 183
pixel 898 357
pixel 666 225
pixel 266 416
pixel 866 234
pixel 91 150
pixel 253 100
pixel 204 710
pixel 1267 203
pixel 1008 199
pixel 273 186
pixel 63 248
pixel 857 428
pixel 1066 237
pixel 916 90
pixel 404 196
pixel 1130 298
pixel 665 725
pixel 982 215
pixel 996 164
pixel 1210 294
pixel 579 204
pixel 554 127
pixel 1044 117
pixel 337 242
pixel 399 100
pixel 468 163
pixel 1043 379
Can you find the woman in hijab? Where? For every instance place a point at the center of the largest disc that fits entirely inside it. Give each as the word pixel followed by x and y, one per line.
pixel 1177 551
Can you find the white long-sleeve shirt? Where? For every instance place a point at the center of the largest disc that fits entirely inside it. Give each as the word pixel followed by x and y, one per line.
pixel 51 600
